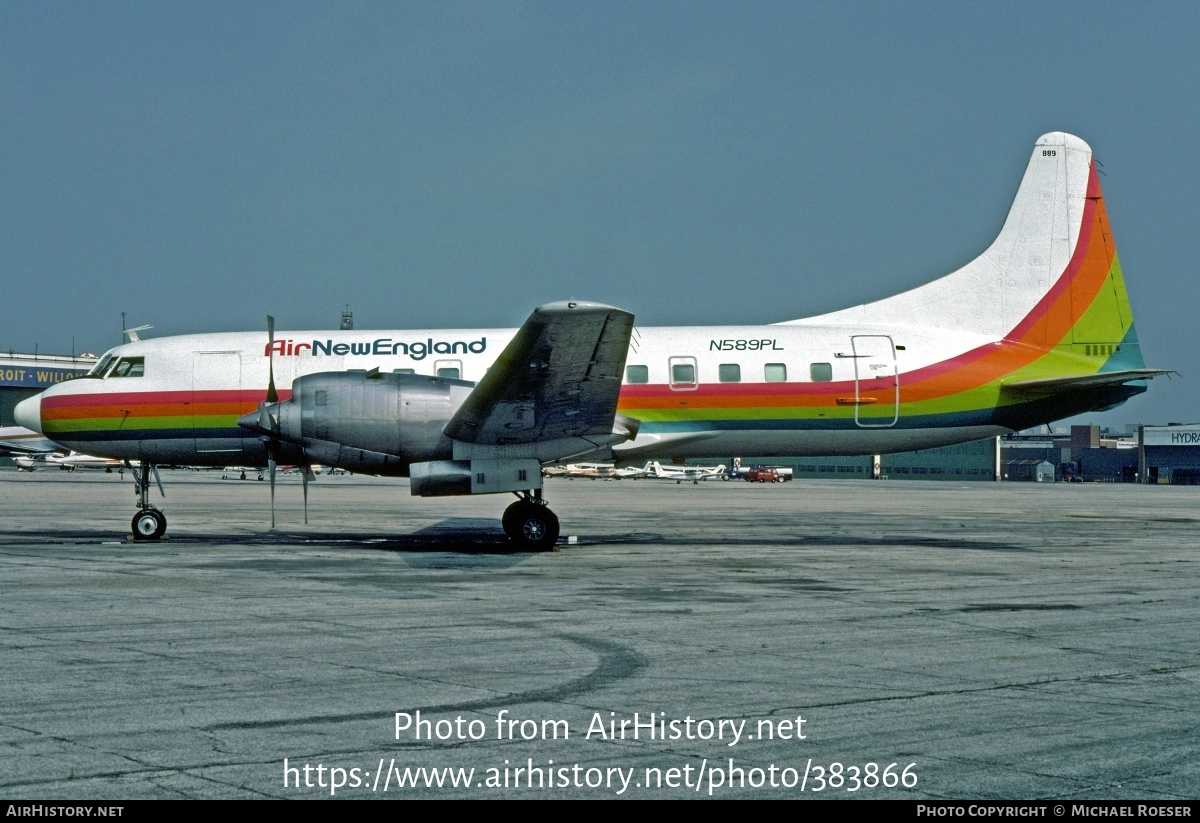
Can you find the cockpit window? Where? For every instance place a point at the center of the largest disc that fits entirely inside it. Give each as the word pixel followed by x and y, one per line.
pixel 129 367
pixel 100 368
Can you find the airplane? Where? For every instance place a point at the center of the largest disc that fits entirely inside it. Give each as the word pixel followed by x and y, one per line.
pixel 31 451
pixel 602 471
pixel 634 472
pixel 1035 329
pixel 67 462
pixel 18 441
pixel 681 473
pixel 592 471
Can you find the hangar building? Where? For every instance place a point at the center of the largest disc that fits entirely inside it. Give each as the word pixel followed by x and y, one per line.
pixel 24 375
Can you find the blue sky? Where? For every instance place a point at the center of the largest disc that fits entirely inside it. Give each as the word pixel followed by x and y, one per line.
pixel 200 165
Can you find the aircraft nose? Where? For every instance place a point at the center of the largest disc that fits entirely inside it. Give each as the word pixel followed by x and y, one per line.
pixel 28 413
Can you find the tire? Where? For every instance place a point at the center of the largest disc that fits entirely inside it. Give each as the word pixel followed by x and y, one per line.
pixel 509 521
pixel 530 526
pixel 149 524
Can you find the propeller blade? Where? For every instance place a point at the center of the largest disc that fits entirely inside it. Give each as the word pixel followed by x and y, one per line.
pixel 272 395
pixel 271 465
pixel 264 417
pixel 305 471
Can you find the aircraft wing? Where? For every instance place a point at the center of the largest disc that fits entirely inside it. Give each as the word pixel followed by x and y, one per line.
pixel 1083 382
pixel 18 440
pixel 559 378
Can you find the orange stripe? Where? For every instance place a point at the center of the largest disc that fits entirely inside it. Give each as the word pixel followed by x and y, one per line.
pixel 147 410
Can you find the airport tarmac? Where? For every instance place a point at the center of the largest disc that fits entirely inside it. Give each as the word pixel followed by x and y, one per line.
pixel 970 640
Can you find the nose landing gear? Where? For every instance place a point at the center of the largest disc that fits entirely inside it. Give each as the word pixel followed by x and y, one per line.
pixel 149 523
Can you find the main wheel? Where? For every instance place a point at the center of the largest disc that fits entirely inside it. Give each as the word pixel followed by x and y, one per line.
pixel 509 520
pixel 149 524
pixel 530 526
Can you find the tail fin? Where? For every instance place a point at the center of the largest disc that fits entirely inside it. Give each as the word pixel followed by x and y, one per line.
pixel 1051 278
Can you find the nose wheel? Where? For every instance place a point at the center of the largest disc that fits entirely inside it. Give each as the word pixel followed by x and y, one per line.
pixel 149 524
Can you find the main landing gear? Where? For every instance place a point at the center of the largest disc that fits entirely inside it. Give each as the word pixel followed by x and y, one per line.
pixel 149 523
pixel 529 524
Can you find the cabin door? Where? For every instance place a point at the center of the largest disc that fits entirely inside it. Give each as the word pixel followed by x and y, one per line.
pixel 876 381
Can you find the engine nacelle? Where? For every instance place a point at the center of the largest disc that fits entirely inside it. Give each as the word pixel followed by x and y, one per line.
pixel 389 424
pixel 441 478
pixel 371 422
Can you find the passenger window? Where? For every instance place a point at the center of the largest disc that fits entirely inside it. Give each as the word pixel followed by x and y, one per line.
pixel 448 368
pixel 404 371
pixel 637 374
pixel 820 372
pixel 775 373
pixel 729 373
pixel 129 367
pixel 683 373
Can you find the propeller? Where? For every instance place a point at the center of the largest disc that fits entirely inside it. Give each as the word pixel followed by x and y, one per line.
pixel 266 421
pixel 272 395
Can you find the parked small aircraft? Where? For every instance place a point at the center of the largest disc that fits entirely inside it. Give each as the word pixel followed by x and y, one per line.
pixel 592 471
pixel 634 472
pixel 1037 328
pixel 679 474
pixel 66 462
pixel 18 440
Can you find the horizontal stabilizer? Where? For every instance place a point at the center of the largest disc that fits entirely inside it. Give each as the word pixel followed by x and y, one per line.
pixel 1052 385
